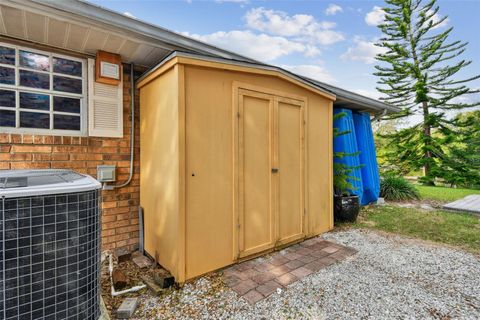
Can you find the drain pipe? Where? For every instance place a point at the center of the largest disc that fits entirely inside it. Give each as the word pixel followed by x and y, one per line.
pixel 379 115
pixel 115 293
pixel 132 129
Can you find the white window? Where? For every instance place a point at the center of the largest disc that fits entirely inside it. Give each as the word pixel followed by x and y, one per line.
pixel 42 92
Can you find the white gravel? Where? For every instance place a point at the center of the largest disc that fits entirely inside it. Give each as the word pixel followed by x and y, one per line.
pixel 391 277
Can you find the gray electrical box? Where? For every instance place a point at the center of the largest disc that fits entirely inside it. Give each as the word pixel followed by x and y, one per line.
pixel 106 173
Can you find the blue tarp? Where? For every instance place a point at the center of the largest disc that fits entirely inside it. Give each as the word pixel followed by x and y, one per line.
pixel 359 140
pixel 347 143
pixel 368 157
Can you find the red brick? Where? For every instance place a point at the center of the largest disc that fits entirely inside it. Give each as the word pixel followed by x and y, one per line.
pixel 107 205
pixel 38 139
pixel 30 165
pixel 109 218
pixel 27 138
pixel 4 165
pixel 16 138
pixel 15 157
pixel 109 232
pixel 286 279
pixel 32 149
pixel 127 229
pixel 115 210
pixel 253 296
pixel 116 224
pixel 60 156
pixel 115 238
pixel 301 272
pixel 84 154
pixel 244 286
pixel 268 288
pixel 68 165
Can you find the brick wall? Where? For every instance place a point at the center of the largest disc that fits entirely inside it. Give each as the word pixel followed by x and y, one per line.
pixel 83 154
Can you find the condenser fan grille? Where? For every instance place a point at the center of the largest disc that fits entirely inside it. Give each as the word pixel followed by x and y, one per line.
pixel 49 265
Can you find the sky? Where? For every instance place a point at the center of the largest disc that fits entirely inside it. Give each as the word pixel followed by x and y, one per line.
pixel 332 41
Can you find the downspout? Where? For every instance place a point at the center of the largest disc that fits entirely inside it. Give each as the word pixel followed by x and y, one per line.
pixel 132 128
pixel 379 115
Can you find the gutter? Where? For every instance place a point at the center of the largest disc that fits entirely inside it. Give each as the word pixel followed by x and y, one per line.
pixel 357 99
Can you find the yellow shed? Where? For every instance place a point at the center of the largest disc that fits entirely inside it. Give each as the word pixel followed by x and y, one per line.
pixel 236 160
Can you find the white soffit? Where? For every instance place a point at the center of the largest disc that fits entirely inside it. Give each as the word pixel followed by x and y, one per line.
pixel 44 28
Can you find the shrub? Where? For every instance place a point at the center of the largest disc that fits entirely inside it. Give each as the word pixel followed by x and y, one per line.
pixel 397 188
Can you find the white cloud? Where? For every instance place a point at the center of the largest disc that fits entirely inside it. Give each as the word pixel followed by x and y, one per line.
pixel 333 9
pixel 128 14
pixel 311 71
pixel 375 17
pixel 362 50
pixel 302 26
pixel 262 47
pixel 436 18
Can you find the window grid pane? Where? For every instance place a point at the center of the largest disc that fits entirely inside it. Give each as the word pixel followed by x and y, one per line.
pixel 7 75
pixel 34 120
pixel 34 99
pixel 7 99
pixel 7 55
pixel 34 60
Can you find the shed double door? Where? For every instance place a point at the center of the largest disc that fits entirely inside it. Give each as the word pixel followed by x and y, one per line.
pixel 270 171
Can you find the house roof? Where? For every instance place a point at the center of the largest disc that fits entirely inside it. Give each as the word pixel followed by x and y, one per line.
pixel 236 65
pixel 85 28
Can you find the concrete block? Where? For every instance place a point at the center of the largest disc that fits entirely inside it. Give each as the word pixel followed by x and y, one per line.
pixel 142 261
pixel 156 289
pixel 127 308
pixel 163 278
pixel 122 255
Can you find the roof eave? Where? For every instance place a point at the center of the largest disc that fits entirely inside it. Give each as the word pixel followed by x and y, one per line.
pixel 266 67
pixel 354 100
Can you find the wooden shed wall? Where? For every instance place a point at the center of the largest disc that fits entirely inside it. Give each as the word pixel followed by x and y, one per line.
pixel 210 115
pixel 160 168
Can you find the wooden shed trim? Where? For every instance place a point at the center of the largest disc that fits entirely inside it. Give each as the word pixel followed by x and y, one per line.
pixel 160 69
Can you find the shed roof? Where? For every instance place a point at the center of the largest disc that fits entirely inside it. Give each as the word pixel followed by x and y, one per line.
pixel 137 41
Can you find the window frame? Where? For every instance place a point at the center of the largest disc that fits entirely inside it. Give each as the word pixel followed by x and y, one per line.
pixel 17 88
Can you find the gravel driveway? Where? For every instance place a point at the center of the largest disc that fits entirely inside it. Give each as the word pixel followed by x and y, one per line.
pixel 391 277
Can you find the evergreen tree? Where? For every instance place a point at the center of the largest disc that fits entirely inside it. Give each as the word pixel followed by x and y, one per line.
pixel 419 73
pixel 342 173
pixel 464 152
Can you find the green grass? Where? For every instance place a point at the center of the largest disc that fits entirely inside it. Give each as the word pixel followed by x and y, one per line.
pixel 444 194
pixel 457 229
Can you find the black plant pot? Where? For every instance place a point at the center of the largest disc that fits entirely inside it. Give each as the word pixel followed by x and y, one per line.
pixel 346 208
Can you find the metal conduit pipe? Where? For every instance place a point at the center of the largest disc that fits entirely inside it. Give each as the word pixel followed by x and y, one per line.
pixel 132 128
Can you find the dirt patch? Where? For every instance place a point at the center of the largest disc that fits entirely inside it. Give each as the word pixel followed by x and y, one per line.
pixel 133 273
pixel 435 204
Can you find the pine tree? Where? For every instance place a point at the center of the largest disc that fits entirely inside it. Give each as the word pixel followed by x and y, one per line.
pixel 419 72
pixel 464 152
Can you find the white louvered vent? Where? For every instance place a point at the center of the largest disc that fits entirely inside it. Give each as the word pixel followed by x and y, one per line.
pixel 105 116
